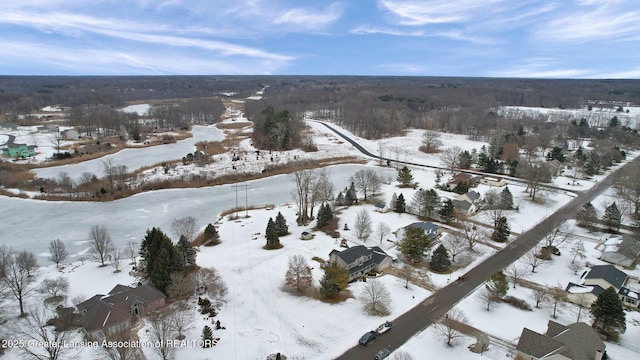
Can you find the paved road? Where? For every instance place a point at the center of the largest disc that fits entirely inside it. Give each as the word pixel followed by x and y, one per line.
pixel 434 307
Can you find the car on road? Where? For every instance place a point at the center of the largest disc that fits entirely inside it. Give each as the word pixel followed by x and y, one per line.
pixel 382 354
pixel 368 337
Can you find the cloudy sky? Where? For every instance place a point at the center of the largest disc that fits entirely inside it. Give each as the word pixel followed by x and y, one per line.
pixel 497 38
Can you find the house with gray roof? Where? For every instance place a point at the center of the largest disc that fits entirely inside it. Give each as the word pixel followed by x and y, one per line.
pixel 599 278
pixel 430 229
pixel 359 260
pixel 104 316
pixel 621 250
pixel 468 203
pixel 577 341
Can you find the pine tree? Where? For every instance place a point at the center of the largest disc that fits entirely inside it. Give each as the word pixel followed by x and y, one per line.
pixel 273 241
pixel 440 259
pixel 608 314
pixel 325 215
pixel 506 199
pixel 461 187
pixel 211 236
pixel 501 231
pixel 160 258
pixel 207 336
pixel 413 243
pixel 447 211
pixel 497 284
pixel 335 279
pixel 340 201
pixel 281 225
pixel 612 217
pixel 392 202
pixel 400 206
pixel 587 216
pixel 351 196
pixel 404 176
pixel 187 251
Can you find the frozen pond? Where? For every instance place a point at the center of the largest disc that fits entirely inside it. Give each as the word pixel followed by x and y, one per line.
pixel 136 158
pixel 32 224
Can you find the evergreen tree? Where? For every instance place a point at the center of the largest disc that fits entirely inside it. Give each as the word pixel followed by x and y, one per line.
pixel 465 160
pixel 404 176
pixel 351 196
pixel 340 201
pixel 501 231
pixel 447 211
pixel 440 259
pixel 413 243
pixel 506 199
pixel 587 216
pixel 325 215
pixel 187 251
pixel 160 258
pixel 273 241
pixel 612 217
pixel 400 204
pixel 392 202
pixel 555 154
pixel 608 314
pixel 335 279
pixel 498 284
pixel 461 188
pixel 207 336
pixel 211 236
pixel 281 225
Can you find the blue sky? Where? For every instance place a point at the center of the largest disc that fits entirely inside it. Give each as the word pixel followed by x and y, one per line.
pixel 496 38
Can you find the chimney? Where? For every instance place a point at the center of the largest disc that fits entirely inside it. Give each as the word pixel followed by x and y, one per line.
pixel 599 354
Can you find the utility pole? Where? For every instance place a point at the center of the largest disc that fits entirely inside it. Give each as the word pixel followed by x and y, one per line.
pixel 246 198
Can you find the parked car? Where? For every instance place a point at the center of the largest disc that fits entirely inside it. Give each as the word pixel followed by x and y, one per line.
pixel 384 327
pixel 382 354
pixel 368 337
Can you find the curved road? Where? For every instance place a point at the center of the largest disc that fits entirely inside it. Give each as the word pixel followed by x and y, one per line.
pixel 438 304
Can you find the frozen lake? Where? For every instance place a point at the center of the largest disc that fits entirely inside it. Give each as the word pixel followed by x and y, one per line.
pixel 31 224
pixel 136 158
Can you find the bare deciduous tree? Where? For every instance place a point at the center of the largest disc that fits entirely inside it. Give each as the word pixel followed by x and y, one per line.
pixel 181 286
pixel 208 281
pixel 582 302
pixel 132 251
pixel 324 186
pixel 115 258
pixel 487 297
pixel 17 280
pixel 184 226
pixel 382 231
pixel 101 243
pixel 578 251
pixel 540 295
pixel 303 179
pixel 517 271
pixel 575 266
pixel 57 251
pixel 447 326
pixel 161 331
pixel 407 273
pixel 375 298
pixel 533 259
pixel 118 350
pixel 53 287
pixel 27 261
pixel 558 296
pixel 449 158
pixel 431 141
pixel 555 236
pixel 182 317
pixel 455 245
pixel 34 330
pixel 473 235
pixel 362 227
pixel 298 275
pixel 401 355
pixel 367 182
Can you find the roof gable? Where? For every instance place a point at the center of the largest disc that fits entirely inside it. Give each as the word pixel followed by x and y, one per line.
pixel 608 273
pixel 538 345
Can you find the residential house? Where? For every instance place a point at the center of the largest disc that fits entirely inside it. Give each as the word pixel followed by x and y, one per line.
pixel 470 179
pixel 577 341
pixel 469 202
pixel 493 181
pixel 601 277
pixel 621 250
pixel 48 128
pixel 19 150
pixel 70 134
pixel 104 316
pixel 430 229
pixel 381 208
pixel 359 260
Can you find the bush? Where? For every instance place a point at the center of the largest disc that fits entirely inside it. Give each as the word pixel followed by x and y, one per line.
pixel 518 303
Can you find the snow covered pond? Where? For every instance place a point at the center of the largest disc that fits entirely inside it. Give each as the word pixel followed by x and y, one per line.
pixel 136 158
pixel 32 224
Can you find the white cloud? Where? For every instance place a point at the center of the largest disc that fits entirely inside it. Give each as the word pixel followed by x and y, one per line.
pixel 403 68
pixel 417 12
pixel 310 18
pixel 367 30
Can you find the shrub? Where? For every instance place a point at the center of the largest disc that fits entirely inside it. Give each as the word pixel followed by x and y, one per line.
pixel 518 303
